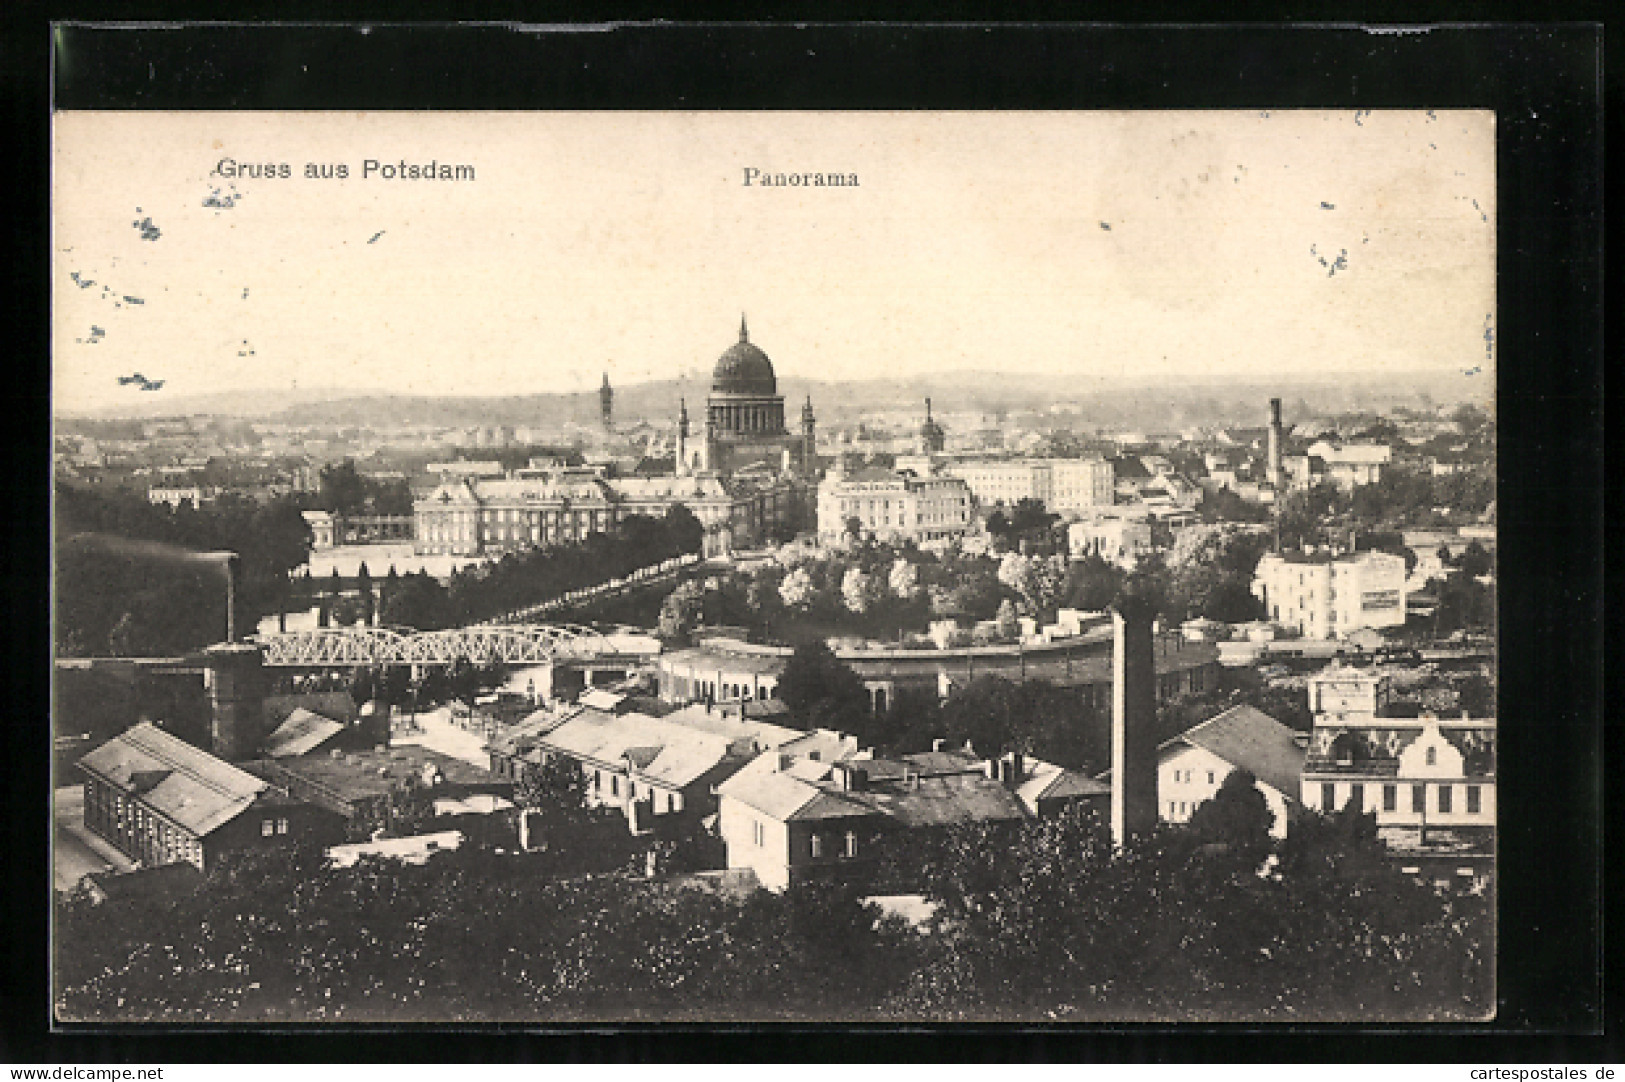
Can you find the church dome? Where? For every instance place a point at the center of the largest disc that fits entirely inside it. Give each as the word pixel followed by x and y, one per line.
pixel 744 370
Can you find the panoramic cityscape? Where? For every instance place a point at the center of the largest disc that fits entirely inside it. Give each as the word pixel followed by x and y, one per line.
pixel 1128 656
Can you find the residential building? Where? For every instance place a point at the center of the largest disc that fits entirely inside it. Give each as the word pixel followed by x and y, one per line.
pixel 1323 595
pixel 159 800
pixel 1079 485
pixel 893 505
pixel 792 818
pixel 1348 465
pixel 175 495
pixel 658 769
pixel 1430 782
pixel 1006 481
pixel 1193 765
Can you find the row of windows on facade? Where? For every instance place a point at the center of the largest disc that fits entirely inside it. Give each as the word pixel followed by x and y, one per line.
pixel 154 839
pixel 694 689
pixel 1390 798
pixel 649 791
pixel 815 843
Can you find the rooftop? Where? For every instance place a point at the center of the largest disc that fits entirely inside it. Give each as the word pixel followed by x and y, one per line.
pixel 1249 738
pixel 184 784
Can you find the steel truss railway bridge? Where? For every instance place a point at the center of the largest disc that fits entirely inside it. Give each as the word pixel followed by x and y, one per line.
pixel 514 644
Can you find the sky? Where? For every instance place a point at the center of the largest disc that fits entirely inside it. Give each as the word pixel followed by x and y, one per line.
pixel 1140 245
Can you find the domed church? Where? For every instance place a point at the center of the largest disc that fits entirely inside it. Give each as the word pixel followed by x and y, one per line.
pixel 744 420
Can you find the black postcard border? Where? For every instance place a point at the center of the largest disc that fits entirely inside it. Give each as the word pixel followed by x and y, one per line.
pixel 1544 81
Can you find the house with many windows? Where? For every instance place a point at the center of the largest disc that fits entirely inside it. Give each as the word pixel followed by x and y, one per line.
pixel 1430 782
pixel 1193 765
pixel 793 817
pixel 1325 595
pixel 159 800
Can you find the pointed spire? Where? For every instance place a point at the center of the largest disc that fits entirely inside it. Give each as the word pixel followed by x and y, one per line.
pixel 744 336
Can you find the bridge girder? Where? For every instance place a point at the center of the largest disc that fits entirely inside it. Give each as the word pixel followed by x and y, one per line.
pixel 511 644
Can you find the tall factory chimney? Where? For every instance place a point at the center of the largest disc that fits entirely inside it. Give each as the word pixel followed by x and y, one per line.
pixel 606 403
pixel 1134 715
pixel 235 678
pixel 1274 467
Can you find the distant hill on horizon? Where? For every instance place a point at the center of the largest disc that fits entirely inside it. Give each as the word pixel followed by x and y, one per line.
pixel 1117 404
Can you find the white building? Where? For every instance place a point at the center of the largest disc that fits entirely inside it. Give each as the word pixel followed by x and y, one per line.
pixel 1079 485
pixel 1117 539
pixel 1065 486
pixel 1413 774
pixel 175 495
pixel 1007 481
pixel 1325 597
pixel 893 505
pixel 1348 465
pixel 1193 765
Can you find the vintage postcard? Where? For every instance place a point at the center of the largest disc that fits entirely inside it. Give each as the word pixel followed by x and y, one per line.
pixel 556 567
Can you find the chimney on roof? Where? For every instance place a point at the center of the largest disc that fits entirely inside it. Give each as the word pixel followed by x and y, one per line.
pixel 938 744
pixel 853 779
pixel 783 762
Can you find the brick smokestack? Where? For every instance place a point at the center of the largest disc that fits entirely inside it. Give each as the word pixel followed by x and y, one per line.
pixel 1273 469
pixel 237 687
pixel 1134 715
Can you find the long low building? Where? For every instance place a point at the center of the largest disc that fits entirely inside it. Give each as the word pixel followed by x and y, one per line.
pixel 159 800
pixel 658 770
pixel 797 813
pixel 721 670
pixel 475 516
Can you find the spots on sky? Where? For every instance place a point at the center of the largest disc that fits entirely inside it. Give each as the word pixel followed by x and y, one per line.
pixel 140 382
pixel 148 230
pixel 1489 337
pixel 1106 226
pixel 1360 115
pixel 80 281
pixel 375 236
pixel 222 198
pixel 245 293
pixel 246 350
pixel 1431 116
pixel 1327 206
pixel 96 335
pixel 1333 265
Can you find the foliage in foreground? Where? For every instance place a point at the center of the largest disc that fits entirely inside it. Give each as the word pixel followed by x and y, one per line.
pixel 1049 924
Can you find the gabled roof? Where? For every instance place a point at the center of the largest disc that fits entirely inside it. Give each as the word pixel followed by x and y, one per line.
pixel 661 751
pixel 302 733
pixel 1246 737
pixel 1046 781
pixel 185 785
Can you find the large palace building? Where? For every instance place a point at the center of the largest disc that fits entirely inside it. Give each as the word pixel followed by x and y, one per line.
pixel 744 420
pixel 746 478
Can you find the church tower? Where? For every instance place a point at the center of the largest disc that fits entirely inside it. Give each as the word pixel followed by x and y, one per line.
pixel 606 403
pixel 809 442
pixel 682 438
